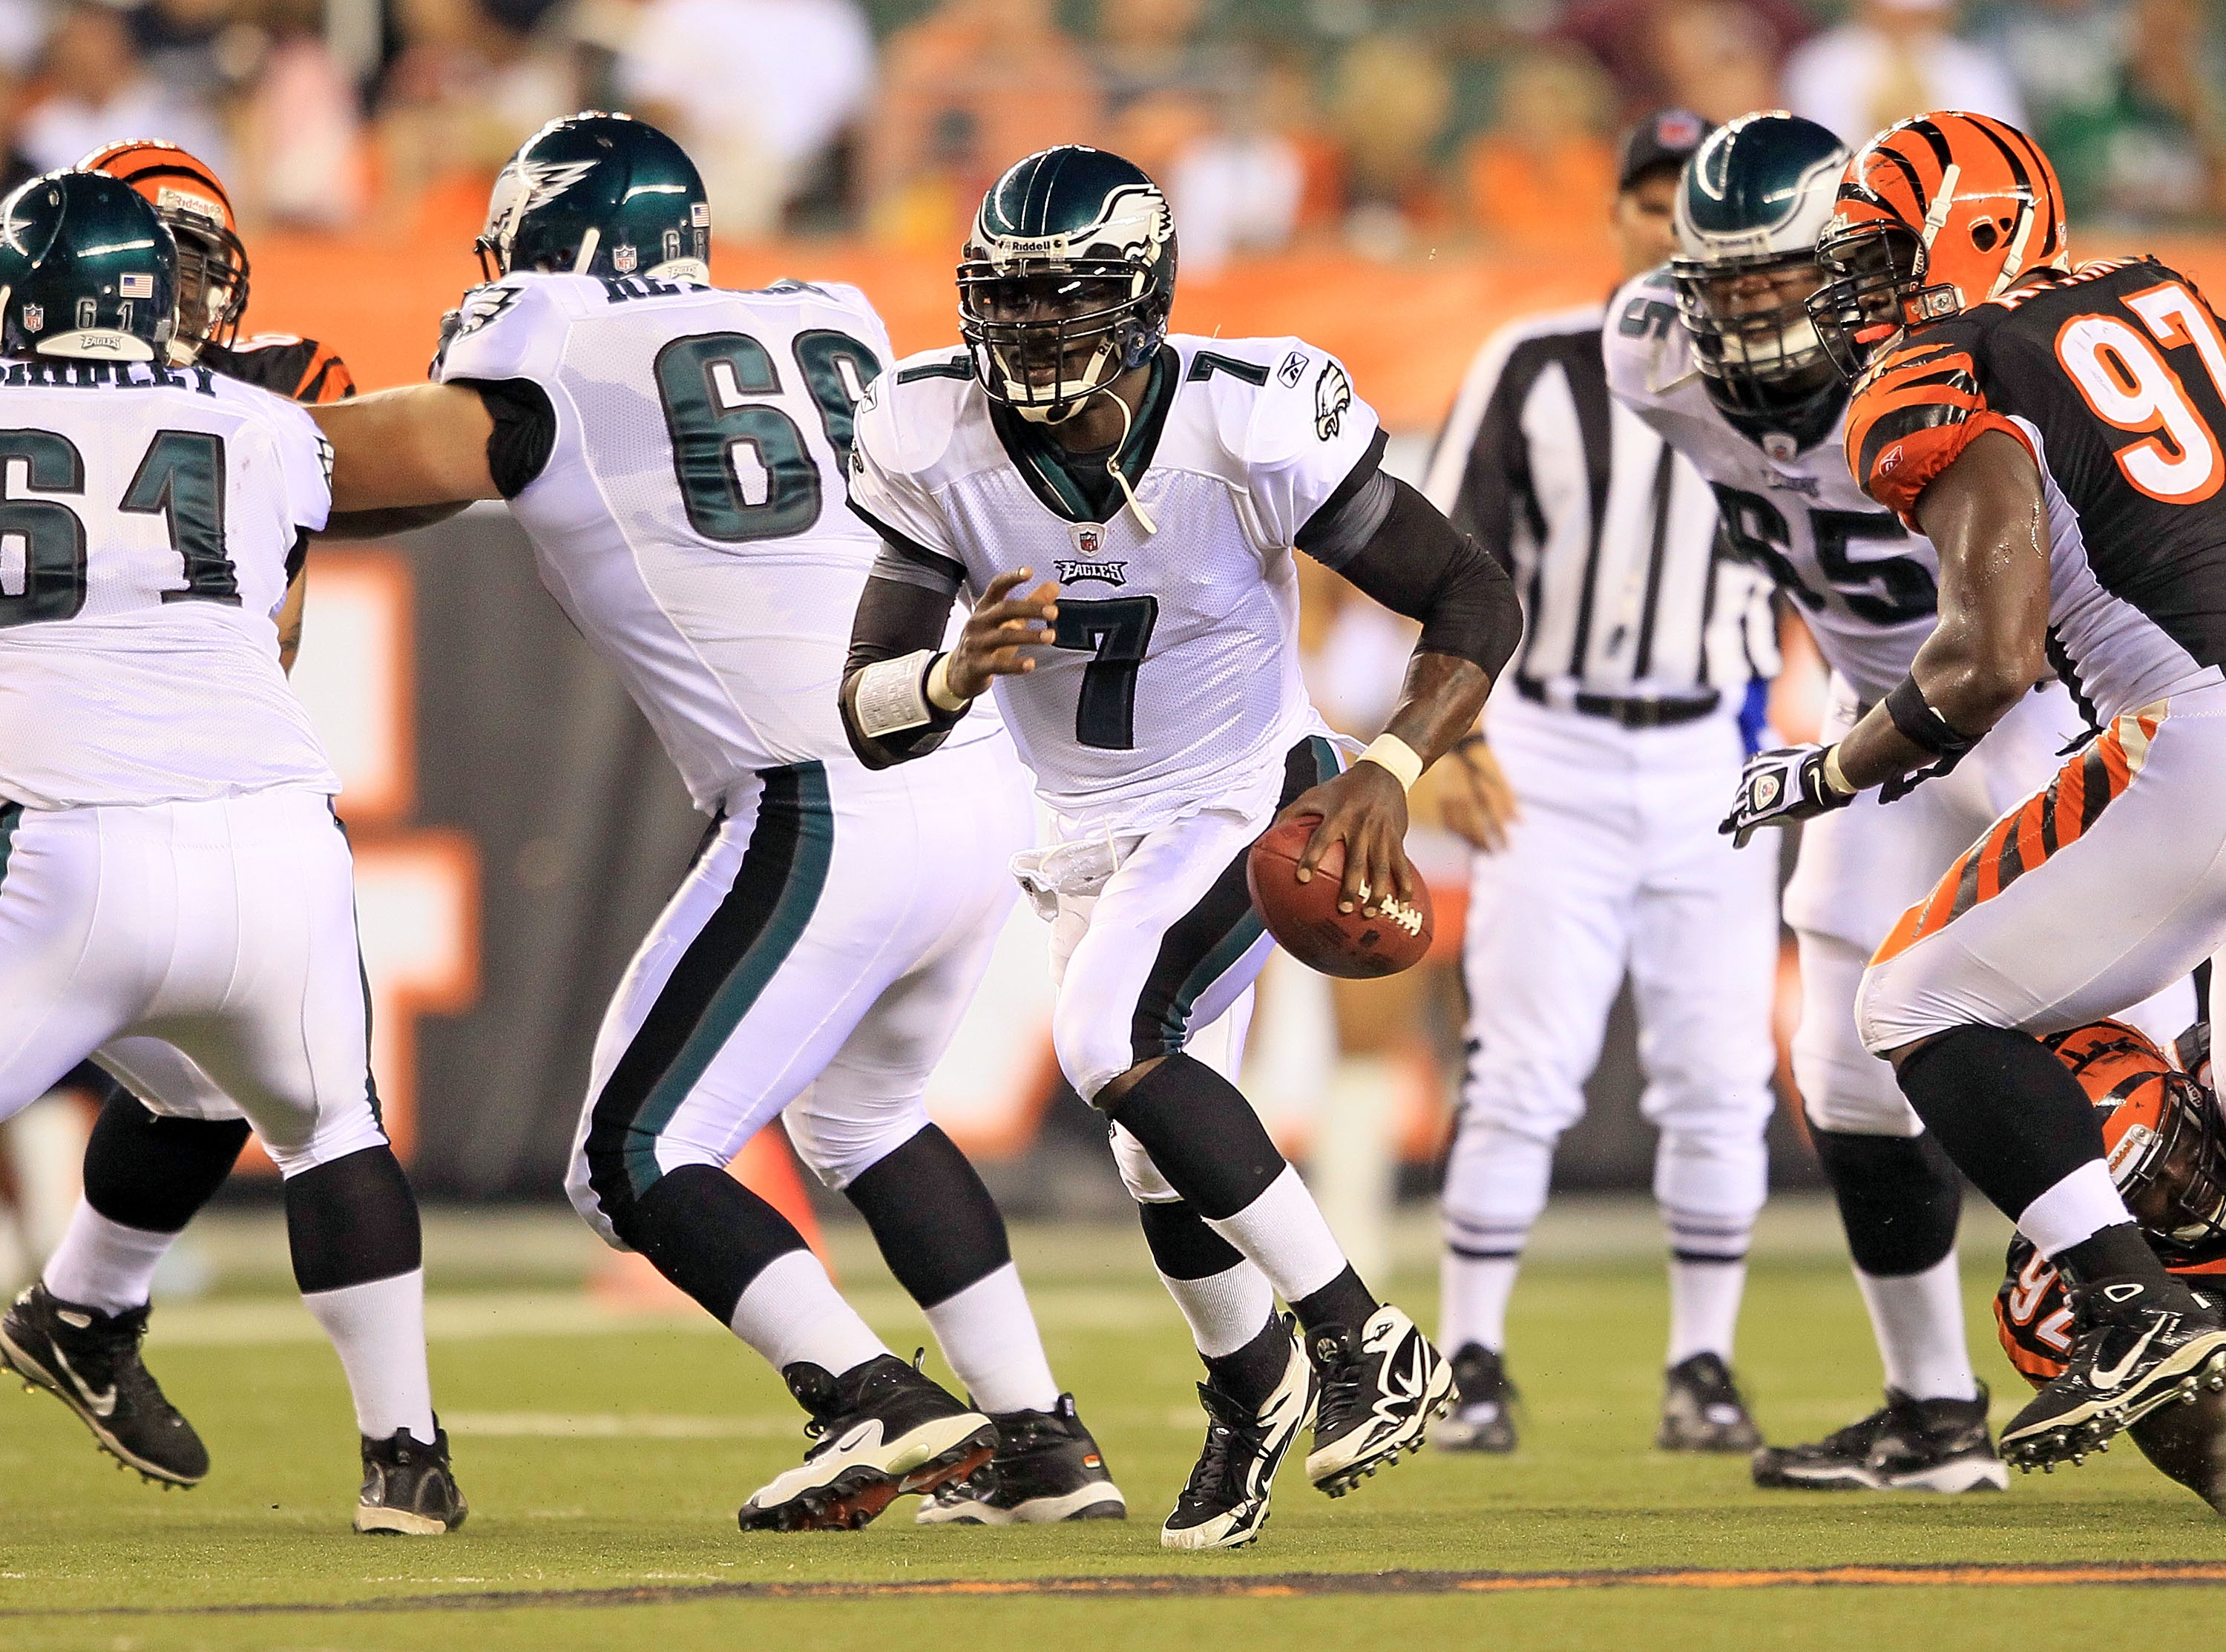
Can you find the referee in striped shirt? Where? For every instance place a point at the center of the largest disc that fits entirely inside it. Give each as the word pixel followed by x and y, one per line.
pixel 1613 738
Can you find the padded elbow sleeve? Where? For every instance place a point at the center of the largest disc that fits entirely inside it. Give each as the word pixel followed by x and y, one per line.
pixel 900 617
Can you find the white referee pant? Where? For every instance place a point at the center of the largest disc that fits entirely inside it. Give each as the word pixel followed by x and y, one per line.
pixel 817 959
pixel 1616 864
pixel 1862 867
pixel 206 951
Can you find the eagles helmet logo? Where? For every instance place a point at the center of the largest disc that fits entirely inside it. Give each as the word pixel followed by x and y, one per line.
pixel 525 185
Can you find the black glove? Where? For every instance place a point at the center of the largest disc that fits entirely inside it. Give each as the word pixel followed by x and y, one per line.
pixel 1777 788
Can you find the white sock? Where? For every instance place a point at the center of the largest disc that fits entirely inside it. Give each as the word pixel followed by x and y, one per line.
pixel 104 1264
pixel 1918 1321
pixel 1282 1232
pixel 1472 1292
pixel 1225 1310
pixel 792 1313
pixel 379 1332
pixel 1704 1304
pixel 988 1335
pixel 2078 1207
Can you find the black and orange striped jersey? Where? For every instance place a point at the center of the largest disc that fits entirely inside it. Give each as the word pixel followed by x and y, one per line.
pixel 300 369
pixel 2114 379
pixel 2033 1314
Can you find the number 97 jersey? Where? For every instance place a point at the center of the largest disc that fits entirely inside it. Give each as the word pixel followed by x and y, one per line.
pixel 1867 587
pixel 150 519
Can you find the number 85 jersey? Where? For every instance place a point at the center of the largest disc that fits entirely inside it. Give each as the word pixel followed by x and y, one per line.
pixel 150 517
pixel 680 474
pixel 1172 682
pixel 1867 587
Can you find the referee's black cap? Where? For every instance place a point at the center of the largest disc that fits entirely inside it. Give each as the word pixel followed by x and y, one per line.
pixel 1665 138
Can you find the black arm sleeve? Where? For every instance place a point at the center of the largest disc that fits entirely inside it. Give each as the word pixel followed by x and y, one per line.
pixel 525 431
pixel 1392 544
pixel 904 608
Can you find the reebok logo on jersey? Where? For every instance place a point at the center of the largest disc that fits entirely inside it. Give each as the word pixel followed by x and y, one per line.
pixel 1332 394
pixel 1074 572
pixel 1293 370
pixel 1888 460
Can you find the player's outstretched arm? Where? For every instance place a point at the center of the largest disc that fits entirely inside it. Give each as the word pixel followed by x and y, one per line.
pixel 425 445
pixel 1987 516
pixel 900 697
pixel 1393 545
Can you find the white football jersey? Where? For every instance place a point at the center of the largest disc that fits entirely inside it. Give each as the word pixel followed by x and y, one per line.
pixel 1866 586
pixel 1174 683
pixel 691 518
pixel 147 516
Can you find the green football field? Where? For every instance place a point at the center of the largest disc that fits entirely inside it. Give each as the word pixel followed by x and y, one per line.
pixel 604 1455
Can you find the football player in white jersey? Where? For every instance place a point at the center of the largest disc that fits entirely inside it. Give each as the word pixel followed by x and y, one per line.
pixel 1153 687
pixel 172 877
pixel 675 452
pixel 1717 352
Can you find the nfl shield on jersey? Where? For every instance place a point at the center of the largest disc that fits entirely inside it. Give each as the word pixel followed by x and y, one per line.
pixel 1174 680
pixel 1864 583
pixel 151 517
pixel 689 518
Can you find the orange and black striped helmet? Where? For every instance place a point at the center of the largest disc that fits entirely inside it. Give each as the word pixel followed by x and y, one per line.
pixel 2162 1131
pixel 1935 215
pixel 212 261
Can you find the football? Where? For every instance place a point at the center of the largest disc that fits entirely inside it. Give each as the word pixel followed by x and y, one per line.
pixel 1304 919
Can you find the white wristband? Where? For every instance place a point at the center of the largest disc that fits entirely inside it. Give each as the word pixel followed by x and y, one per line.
pixel 1834 776
pixel 1389 752
pixel 888 699
pixel 939 691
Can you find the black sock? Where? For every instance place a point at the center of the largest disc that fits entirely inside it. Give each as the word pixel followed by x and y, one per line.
pixel 708 1235
pixel 1899 1199
pixel 936 1226
pixel 352 1221
pixel 153 1172
pixel 2005 1109
pixel 1250 1375
pixel 2115 1252
pixel 1182 1246
pixel 1201 1133
pixel 1343 1302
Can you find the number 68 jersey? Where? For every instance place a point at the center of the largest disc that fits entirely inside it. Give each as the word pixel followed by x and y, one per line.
pixel 151 519
pixel 1867 587
pixel 686 507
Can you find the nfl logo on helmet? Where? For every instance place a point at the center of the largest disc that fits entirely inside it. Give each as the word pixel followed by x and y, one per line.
pixel 35 318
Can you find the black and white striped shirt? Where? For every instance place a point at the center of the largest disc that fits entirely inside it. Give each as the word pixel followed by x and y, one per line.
pixel 1608 533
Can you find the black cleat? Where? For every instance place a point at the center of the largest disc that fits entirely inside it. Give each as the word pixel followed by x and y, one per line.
pixel 1702 1410
pixel 1379 1390
pixel 1906 1446
pixel 409 1491
pixel 2138 1345
pixel 90 1361
pixel 884 1429
pixel 1482 1419
pixel 1226 1503
pixel 1047 1468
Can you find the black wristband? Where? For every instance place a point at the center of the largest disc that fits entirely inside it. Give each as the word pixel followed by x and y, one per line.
pixel 1921 725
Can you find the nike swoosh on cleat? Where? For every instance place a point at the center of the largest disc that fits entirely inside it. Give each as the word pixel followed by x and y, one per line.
pixel 102 1404
pixel 2107 1380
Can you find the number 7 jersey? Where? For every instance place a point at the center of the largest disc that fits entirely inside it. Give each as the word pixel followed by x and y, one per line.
pixel 689 515
pixel 1867 587
pixel 1172 682
pixel 151 519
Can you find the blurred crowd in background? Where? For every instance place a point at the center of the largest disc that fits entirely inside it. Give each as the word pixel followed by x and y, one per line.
pixel 1389 127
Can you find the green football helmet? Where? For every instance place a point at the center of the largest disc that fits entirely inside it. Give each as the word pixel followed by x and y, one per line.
pixel 1068 279
pixel 87 271
pixel 1752 202
pixel 597 194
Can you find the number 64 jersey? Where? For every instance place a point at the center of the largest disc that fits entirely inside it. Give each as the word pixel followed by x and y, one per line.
pixel 1867 587
pixel 1172 682
pixel 685 501
pixel 151 519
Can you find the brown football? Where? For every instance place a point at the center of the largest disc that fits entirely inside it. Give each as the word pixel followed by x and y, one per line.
pixel 1304 919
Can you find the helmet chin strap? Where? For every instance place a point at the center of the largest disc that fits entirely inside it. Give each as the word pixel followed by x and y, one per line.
pixel 1113 461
